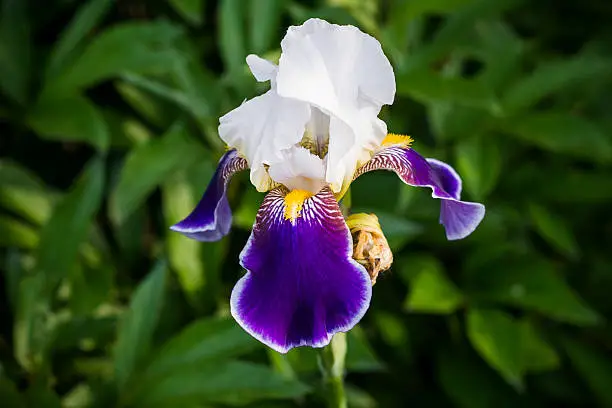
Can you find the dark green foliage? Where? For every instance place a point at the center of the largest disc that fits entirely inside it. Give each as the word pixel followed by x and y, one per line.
pixel 108 115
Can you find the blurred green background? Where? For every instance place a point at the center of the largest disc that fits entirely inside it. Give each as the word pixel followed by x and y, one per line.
pixel 108 115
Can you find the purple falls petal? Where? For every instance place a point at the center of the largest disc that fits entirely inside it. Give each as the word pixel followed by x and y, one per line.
pixel 460 218
pixel 212 217
pixel 302 285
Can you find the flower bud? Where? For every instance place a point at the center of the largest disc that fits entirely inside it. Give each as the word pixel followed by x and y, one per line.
pixel 370 247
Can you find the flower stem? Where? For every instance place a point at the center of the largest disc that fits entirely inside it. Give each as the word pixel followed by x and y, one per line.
pixel 331 361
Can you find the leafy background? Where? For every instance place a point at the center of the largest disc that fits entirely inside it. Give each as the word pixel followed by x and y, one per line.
pixel 108 114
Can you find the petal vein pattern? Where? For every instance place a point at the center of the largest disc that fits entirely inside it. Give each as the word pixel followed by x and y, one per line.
pixel 301 285
pixel 459 218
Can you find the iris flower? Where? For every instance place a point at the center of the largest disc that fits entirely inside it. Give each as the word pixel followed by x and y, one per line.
pixel 304 141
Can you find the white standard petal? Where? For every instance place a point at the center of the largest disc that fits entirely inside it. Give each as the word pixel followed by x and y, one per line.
pixel 344 73
pixel 331 66
pixel 299 170
pixel 261 128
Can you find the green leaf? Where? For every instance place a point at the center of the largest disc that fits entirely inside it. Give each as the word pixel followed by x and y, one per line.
pixel 126 131
pixel 415 9
pixel 94 367
pixel 358 398
pixel 184 253
pixel 15 50
pixel 359 354
pixel 538 355
pixel 204 340
pixel 457 122
pixel 13 272
pixel 399 39
pixel 332 13
pixel 393 331
pixel 578 187
pixel 135 331
pixel 69 335
pixel 23 193
pixel 69 118
pixel 554 230
pixel 367 190
pixel 365 12
pixel 144 101
pixel 533 284
pixel 89 288
pixel 14 174
pixel 232 35
pixel 16 233
pixel 456 31
pixel 66 48
pixel 551 77
pixel 138 47
pixel 497 338
pixel 79 396
pixel 191 10
pixel 40 396
pixel 265 18
pixel 231 383
pixel 148 166
pixel 561 133
pixel 33 205
pixel 471 384
pixel 479 161
pixel 502 49
pixel 398 230
pixel 30 333
pixel 9 395
pixel 190 78
pixel 67 228
pixel 431 291
pixel 427 87
pixel 594 367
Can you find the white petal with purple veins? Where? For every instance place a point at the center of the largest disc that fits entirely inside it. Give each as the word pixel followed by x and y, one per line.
pixel 460 218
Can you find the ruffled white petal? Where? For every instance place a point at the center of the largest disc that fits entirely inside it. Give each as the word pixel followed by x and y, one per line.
pixel 299 169
pixel 326 92
pixel 343 72
pixel 262 69
pixel 261 128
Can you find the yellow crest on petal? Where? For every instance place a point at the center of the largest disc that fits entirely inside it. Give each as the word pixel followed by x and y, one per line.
pixel 294 201
pixel 393 139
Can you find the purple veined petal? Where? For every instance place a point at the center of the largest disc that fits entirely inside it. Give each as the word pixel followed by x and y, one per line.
pixel 460 218
pixel 302 285
pixel 212 217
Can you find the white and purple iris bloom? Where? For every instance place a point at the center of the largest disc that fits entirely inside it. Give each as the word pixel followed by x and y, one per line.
pixel 305 141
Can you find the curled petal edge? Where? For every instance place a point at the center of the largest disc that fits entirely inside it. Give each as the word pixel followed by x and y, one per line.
pixel 211 220
pixel 459 218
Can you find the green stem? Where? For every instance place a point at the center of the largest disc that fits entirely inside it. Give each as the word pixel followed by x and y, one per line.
pixel 331 361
